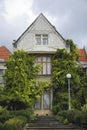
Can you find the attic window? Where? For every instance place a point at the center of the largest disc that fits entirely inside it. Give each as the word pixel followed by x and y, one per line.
pixel 38 39
pixel 41 39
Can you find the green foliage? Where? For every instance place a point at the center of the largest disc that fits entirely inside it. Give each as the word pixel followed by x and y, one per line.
pixel 66 121
pixel 63 63
pixel 73 116
pixel 28 113
pixel 21 89
pixel 84 108
pixel 1 126
pixel 16 123
pixel 4 114
pixel 73 49
pixel 15 120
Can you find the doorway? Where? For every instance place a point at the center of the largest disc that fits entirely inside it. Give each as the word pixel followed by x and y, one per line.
pixel 43 106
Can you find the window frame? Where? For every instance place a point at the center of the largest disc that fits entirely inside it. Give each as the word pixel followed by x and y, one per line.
pixel 43 39
pixel 1 76
pixel 42 62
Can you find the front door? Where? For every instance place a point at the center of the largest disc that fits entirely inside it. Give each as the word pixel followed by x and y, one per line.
pixel 44 104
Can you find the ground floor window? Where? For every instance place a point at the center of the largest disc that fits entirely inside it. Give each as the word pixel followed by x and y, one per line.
pixel 38 104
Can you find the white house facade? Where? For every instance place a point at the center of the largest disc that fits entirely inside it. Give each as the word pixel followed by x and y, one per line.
pixel 42 39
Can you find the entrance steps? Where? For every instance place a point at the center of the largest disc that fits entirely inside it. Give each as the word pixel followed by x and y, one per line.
pixel 49 123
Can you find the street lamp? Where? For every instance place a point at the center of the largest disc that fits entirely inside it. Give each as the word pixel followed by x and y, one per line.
pixel 68 76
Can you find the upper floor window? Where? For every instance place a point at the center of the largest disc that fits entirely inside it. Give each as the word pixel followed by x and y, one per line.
pixel 41 39
pixel 45 62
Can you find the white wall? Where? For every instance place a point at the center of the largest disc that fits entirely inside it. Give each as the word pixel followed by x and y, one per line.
pixel 41 26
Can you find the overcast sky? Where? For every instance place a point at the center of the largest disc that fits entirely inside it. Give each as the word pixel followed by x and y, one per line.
pixel 68 16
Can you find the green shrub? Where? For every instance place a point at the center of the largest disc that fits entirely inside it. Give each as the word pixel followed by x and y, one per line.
pixel 73 116
pixel 15 123
pixel 1 126
pixel 65 121
pixel 10 127
pixel 84 108
pixel 60 118
pixel 28 113
pixel 3 111
pixel 4 114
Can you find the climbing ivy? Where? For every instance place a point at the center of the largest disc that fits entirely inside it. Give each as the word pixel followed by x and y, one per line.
pixel 65 62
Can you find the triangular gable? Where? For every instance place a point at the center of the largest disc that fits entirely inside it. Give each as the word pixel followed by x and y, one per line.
pixel 31 26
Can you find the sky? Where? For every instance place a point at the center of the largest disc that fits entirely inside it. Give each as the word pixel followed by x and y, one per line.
pixel 68 16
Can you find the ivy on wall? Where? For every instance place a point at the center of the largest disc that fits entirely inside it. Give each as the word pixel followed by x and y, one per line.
pixel 63 63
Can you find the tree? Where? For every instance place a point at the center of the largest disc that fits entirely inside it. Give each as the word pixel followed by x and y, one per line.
pixel 21 88
pixel 66 62
pixel 73 49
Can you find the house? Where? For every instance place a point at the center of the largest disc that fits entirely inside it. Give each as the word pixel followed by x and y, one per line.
pixel 83 58
pixel 42 39
pixel 4 55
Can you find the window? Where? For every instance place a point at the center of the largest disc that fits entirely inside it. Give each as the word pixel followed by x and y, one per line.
pixel 38 39
pixel 38 104
pixel 41 39
pixel 1 74
pixel 45 39
pixel 45 62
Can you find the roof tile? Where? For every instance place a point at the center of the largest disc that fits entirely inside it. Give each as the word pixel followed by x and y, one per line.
pixel 4 53
pixel 83 55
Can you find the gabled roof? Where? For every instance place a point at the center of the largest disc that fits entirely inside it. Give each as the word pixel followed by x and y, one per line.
pixel 4 53
pixel 82 55
pixel 41 15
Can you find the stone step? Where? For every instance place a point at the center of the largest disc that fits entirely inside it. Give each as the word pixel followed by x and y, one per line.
pixel 44 124
pixel 51 128
pixel 49 123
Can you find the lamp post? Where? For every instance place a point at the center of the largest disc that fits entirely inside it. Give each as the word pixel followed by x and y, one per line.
pixel 68 76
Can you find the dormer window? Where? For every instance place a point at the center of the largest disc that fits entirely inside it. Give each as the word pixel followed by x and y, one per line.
pixel 41 39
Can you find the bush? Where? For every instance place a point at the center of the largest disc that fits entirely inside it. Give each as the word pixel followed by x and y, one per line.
pixel 14 120
pixel 1 126
pixel 28 113
pixel 84 108
pixel 73 116
pixel 16 123
pixel 66 121
pixel 10 127
pixel 4 114
pixel 60 118
pixel 3 111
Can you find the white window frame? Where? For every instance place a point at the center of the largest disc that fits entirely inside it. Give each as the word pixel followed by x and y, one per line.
pixel 41 39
